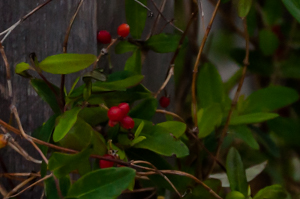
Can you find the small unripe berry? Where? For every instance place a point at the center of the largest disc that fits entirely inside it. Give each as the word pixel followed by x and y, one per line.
pixel 124 107
pixel 115 114
pixel 164 101
pixel 123 30
pixel 3 141
pixel 104 37
pixel 127 122
pixel 106 164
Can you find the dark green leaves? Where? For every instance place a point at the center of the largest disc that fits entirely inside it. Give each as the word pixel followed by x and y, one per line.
pixel 144 110
pixel 269 99
pixel 176 128
pixel 293 7
pixel 136 16
pixel 209 86
pixel 134 63
pixel 61 164
pixel 163 43
pixel 243 7
pixel 124 47
pixel 66 121
pixel 268 42
pixel 271 192
pixel 235 172
pixel 102 183
pixel 244 133
pixel 252 118
pixel 67 63
pixel 46 93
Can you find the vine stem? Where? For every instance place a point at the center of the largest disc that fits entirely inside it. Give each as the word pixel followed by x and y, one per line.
pixel 195 71
pixel 104 51
pixel 171 65
pixel 170 113
pixel 236 96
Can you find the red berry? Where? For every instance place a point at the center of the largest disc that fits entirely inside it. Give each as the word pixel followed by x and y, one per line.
pixel 104 37
pixel 123 30
pixel 112 123
pixel 164 101
pixel 106 164
pixel 115 114
pixel 125 108
pixel 127 122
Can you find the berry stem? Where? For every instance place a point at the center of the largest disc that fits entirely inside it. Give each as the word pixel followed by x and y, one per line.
pixel 104 50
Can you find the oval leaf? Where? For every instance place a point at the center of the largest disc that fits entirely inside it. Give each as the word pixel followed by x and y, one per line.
pixel 102 183
pixel 252 118
pixel 124 47
pixel 21 67
pixel 293 7
pixel 163 43
pixel 176 128
pixel 134 63
pixel 271 192
pixel 244 7
pixel 67 63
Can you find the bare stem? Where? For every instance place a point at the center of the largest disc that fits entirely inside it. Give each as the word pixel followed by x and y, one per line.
pixel 170 113
pixel 104 51
pixel 195 71
pixel 14 190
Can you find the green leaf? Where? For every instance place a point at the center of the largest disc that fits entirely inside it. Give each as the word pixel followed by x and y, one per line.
pixel 251 173
pixel 235 172
pixel 81 135
pixel 124 47
pixel 50 189
pixel 293 6
pixel 136 16
pixel 42 89
pixel 65 123
pixel 245 134
pixel 159 140
pixel 252 118
pixel 45 133
pixel 244 7
pixel 21 67
pixel 163 43
pixel 134 63
pixel 139 129
pixel 269 99
pixel 137 140
pixel 235 195
pixel 144 110
pixel 61 164
pixel 271 192
pixel 209 86
pixel 208 119
pixel 176 128
pixel 64 185
pixel 268 42
pixel 103 183
pixel 67 63
pixel 87 90
pixel 93 115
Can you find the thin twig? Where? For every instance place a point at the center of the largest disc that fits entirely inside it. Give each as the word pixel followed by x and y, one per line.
pixel 157 18
pixel 195 71
pixel 14 190
pixel 3 190
pixel 171 65
pixel 33 184
pixel 20 174
pixel 170 113
pixel 237 94
pixel 104 51
pixel 140 190
pixel 8 75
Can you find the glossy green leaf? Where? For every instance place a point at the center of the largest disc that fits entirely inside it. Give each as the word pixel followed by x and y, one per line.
pixel 159 140
pixel 67 63
pixel 95 74
pixel 139 129
pixel 176 128
pixel 50 189
pixel 244 133
pixel 268 42
pixel 81 135
pixel 208 119
pixel 271 192
pixel 293 7
pixel 269 99
pixel 102 183
pixel 65 123
pixel 136 16
pixel 235 172
pixel 244 7
pixel 93 115
pixel 45 132
pixel 251 173
pixel 144 110
pixel 61 164
pixel 134 63
pixel 209 86
pixel 252 118
pixel 163 43
pixel 235 195
pixel 21 67
pixel 64 184
pixel 124 47
pixel 46 93
pixel 137 140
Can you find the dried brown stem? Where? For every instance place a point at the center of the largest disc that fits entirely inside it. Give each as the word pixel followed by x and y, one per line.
pixel 14 190
pixel 33 184
pixel 8 75
pixel 157 18
pixel 237 93
pixel 140 190
pixel 3 190
pixel 170 113
pixel 195 71
pixel 104 51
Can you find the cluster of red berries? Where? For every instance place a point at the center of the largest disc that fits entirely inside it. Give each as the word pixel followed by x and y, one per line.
pixel 118 114
pixel 105 37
